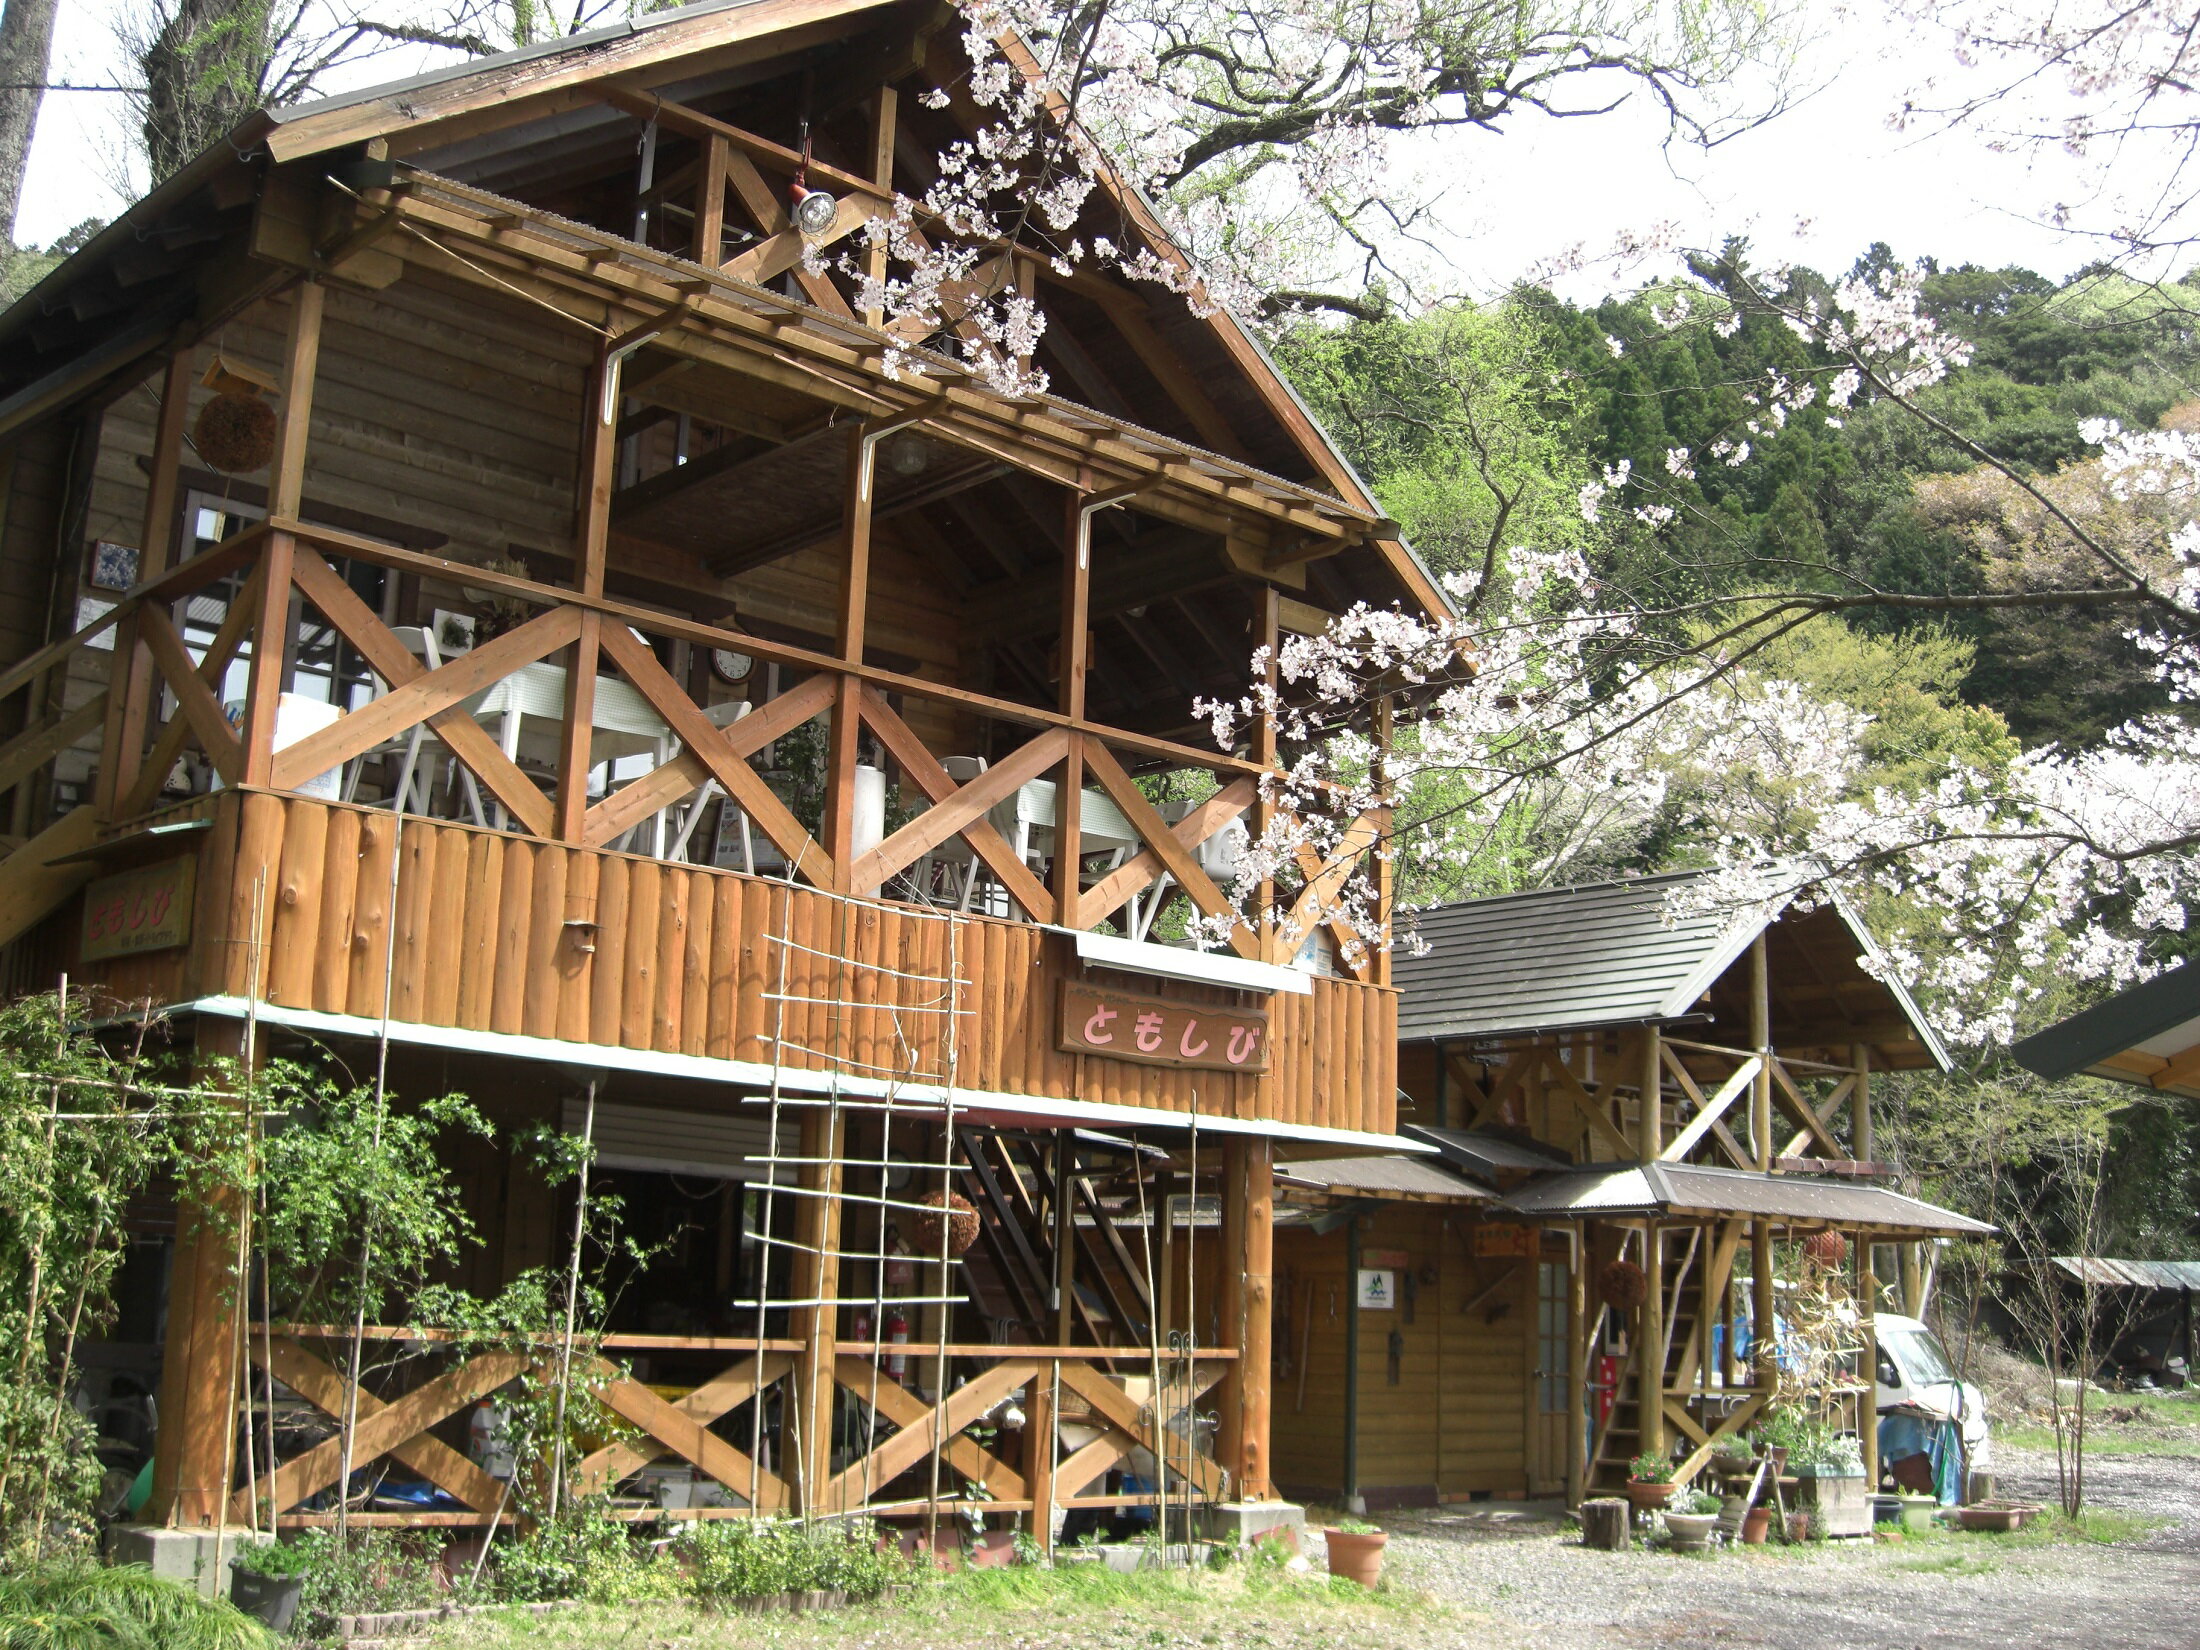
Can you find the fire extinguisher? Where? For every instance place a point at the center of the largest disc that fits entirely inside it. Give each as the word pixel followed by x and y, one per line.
pixel 897 1334
pixel 1606 1386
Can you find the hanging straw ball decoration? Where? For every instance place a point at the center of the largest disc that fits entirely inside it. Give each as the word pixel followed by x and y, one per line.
pixel 959 1223
pixel 235 432
pixel 1621 1286
pixel 1827 1249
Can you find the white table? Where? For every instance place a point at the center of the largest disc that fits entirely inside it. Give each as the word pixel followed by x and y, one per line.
pixel 526 712
pixel 1027 820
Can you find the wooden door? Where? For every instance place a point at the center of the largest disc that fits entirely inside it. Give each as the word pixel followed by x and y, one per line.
pixel 1551 1412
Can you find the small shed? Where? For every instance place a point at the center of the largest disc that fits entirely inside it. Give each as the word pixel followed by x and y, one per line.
pixel 2159 1294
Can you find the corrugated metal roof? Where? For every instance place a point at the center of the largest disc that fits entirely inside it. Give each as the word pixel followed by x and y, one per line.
pixel 1656 1188
pixel 1380 1176
pixel 2158 1017
pixel 2131 1274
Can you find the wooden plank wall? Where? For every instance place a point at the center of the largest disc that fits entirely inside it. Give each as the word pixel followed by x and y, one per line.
pixel 1455 1425
pixel 496 932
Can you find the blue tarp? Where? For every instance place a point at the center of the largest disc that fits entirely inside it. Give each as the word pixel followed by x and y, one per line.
pixel 1902 1435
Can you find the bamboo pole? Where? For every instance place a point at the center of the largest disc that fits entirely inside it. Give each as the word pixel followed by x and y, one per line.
pixel 572 1302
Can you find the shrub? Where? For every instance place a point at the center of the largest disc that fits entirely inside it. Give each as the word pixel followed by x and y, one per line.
pixel 741 1559
pixel 586 1556
pixel 84 1606
pixel 375 1570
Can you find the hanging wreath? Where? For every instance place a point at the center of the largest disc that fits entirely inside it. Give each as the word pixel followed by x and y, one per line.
pixel 1621 1286
pixel 959 1224
pixel 235 432
pixel 1827 1249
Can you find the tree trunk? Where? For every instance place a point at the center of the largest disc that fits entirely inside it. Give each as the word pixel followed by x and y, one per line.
pixel 1604 1524
pixel 203 73
pixel 26 47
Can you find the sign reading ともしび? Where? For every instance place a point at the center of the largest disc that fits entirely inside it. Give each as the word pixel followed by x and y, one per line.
pixel 1158 1032
pixel 147 909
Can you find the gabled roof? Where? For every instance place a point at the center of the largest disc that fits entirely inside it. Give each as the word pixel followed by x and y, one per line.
pixel 1486 1155
pixel 1403 1178
pixel 2148 1036
pixel 492 122
pixel 1617 954
pixel 1605 1191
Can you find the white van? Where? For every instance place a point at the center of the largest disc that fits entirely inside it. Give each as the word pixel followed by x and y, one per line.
pixel 1917 1377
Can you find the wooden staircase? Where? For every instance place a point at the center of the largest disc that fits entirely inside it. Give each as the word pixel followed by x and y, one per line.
pixel 1620 1442
pixel 1010 1271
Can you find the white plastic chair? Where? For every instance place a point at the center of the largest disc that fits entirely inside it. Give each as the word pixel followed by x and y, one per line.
pixel 412 774
pixel 719 716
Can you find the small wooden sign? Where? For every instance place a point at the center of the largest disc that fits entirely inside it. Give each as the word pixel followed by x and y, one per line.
pixel 1495 1238
pixel 146 909
pixel 1378 1289
pixel 1157 1032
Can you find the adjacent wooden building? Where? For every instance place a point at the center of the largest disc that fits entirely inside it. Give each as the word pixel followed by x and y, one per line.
pixel 478 584
pixel 1613 1073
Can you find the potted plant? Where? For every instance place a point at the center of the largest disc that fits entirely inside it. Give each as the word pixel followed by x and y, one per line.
pixel 1689 1518
pixel 1356 1551
pixel 1829 1471
pixel 1649 1482
pixel 265 1582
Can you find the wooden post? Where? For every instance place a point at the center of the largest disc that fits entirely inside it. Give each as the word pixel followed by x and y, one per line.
pixel 1248 1265
pixel 710 204
pixel 1377 971
pixel 131 675
pixel 1650 1343
pixel 1913 1282
pixel 1070 793
pixel 1040 1432
pixel 592 529
pixel 887 117
pixel 855 589
pixel 1604 1524
pixel 1577 1377
pixel 1860 1103
pixel 285 491
pixel 816 1325
pixel 1760 1038
pixel 198 1363
pixel 1867 1405
pixel 1352 1361
pixel 1267 622
pixel 1065 1238
pixel 1650 1126
pixel 1763 1326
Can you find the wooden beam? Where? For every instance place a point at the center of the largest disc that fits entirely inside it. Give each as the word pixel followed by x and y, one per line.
pixel 128 707
pixel 1166 846
pixel 709 237
pixel 285 489
pixel 694 123
pixel 32 884
pixel 1073 657
pixel 761 202
pixel 195 700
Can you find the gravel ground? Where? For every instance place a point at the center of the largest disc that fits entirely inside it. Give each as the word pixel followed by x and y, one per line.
pixel 1506 1577
pixel 1969 1591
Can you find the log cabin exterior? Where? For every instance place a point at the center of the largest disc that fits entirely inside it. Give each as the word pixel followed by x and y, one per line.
pixel 1532 1029
pixel 631 671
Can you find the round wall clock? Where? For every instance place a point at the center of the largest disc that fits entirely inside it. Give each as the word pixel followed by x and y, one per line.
pixel 731 666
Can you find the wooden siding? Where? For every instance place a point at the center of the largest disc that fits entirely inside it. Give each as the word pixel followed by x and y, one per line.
pixel 488 931
pixel 1455 1423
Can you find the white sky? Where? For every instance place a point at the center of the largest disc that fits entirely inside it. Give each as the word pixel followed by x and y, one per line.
pixel 1511 201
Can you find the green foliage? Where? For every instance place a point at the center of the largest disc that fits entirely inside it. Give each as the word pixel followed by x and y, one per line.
pixel 1649 1468
pixel 73 1151
pixel 373 1570
pixel 1697 1502
pixel 276 1558
pixel 735 1559
pixel 85 1606
pixel 589 1556
pixel 349 1175
pixel 1357 1526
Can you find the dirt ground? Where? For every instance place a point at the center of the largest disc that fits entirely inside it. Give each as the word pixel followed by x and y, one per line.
pixel 1501 1577
pixel 1951 1590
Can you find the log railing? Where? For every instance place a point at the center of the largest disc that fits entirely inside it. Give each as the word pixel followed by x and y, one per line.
pixel 891 1474
pixel 416 697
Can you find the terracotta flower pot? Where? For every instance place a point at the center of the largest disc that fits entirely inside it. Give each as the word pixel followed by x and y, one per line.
pixel 1798 1526
pixel 1356 1557
pixel 1648 1497
pixel 1755 1523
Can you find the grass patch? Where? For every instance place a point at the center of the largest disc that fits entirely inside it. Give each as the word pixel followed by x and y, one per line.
pixel 2103 1439
pixel 2134 1423
pixel 1951 1563
pixel 1257 1603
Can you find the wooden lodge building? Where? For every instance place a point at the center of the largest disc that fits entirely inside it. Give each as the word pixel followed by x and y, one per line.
pixel 584 654
pixel 1439 1321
